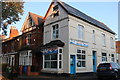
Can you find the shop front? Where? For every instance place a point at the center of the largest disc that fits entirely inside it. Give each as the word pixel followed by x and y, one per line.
pixel 53 57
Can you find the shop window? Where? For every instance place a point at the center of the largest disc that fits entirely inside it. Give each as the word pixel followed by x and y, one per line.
pixel 104 57
pixel 81 58
pixel 80 32
pixel 55 31
pixel 51 61
pixel 112 57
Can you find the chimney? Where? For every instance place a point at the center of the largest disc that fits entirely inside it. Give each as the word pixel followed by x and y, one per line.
pixel 13 32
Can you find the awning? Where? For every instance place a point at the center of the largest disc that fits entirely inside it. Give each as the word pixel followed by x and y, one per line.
pixel 57 43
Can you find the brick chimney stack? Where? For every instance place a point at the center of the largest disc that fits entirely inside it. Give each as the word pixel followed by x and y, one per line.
pixel 13 32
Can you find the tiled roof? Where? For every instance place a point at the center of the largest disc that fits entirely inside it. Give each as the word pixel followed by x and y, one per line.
pixel 36 18
pixel 72 11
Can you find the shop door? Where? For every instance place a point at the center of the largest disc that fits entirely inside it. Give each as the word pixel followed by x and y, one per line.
pixel 72 64
pixel 94 61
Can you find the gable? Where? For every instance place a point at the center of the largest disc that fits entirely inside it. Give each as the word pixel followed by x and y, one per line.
pixel 55 13
pixel 31 22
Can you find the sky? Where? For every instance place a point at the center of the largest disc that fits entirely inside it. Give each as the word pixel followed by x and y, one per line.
pixel 106 12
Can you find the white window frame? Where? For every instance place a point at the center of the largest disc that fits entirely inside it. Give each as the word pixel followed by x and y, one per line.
pixel 104 58
pixel 58 54
pixel 25 58
pixel 112 57
pixel 80 32
pixel 103 40
pixel 12 60
pixel 111 42
pixel 81 58
pixel 93 36
pixel 55 31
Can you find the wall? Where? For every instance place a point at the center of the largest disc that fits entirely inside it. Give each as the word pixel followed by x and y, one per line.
pixel 73 33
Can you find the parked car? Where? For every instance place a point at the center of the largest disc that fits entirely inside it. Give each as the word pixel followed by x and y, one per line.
pixel 108 70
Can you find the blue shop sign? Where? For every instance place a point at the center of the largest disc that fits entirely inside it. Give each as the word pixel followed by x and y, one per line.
pixel 75 42
pixel 50 51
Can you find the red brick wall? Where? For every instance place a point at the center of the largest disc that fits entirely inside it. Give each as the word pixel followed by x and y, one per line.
pixel 118 46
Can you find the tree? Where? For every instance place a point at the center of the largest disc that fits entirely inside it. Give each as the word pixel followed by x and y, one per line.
pixel 11 12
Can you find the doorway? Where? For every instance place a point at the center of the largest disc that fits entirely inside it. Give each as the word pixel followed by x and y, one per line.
pixel 72 64
pixel 94 61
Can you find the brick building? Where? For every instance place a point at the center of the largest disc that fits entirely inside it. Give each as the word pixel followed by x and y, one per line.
pixel 118 50
pixel 23 50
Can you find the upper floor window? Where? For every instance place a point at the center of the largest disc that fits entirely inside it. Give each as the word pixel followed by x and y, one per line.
pixel 55 33
pixel 55 11
pixel 55 8
pixel 93 36
pixel 103 40
pixel 80 32
pixel 31 23
pixel 28 39
pixel 111 42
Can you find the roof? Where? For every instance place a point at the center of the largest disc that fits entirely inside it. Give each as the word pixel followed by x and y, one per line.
pixel 72 11
pixel 36 18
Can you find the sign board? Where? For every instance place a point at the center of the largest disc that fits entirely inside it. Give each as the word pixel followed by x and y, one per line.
pixel 75 42
pixel 50 50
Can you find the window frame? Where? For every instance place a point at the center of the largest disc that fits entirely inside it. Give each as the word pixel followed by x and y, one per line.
pixel 103 40
pixel 111 42
pixel 113 57
pixel 58 61
pixel 104 58
pixel 81 60
pixel 55 31
pixel 25 58
pixel 81 32
pixel 93 36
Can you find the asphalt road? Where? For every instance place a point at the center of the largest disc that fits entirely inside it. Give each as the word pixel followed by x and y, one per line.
pixel 64 78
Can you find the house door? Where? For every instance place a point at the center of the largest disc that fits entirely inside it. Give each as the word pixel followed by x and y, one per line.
pixel 94 61
pixel 72 64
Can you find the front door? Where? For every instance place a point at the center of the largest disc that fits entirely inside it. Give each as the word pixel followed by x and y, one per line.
pixel 72 64
pixel 94 61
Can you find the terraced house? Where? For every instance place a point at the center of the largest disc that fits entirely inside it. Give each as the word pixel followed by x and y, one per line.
pixel 23 51
pixel 75 42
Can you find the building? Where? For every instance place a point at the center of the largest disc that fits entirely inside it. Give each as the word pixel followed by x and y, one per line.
pixel 10 47
pixel 118 50
pixel 64 41
pixel 75 42
pixel 23 51
pixel 30 57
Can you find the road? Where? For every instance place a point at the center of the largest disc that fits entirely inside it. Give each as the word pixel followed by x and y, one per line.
pixel 62 78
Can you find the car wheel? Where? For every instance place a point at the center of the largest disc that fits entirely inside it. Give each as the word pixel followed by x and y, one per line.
pixel 116 76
